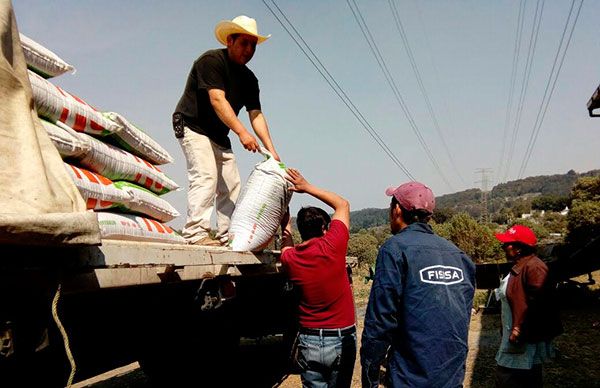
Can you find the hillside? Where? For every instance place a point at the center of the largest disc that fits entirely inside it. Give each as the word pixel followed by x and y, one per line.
pixel 514 195
pixel 559 185
pixel 366 218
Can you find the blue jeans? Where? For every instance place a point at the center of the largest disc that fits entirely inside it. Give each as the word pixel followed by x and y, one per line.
pixel 326 361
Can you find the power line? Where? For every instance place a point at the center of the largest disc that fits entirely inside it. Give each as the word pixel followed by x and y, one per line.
pixel 535 29
pixel 513 78
pixel 405 41
pixel 392 83
pixel 438 82
pixel 314 59
pixel 390 80
pixel 540 116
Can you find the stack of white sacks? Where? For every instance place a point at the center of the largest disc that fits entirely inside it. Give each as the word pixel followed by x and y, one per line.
pixel 112 162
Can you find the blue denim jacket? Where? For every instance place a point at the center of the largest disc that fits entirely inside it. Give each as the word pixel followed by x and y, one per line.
pixel 419 309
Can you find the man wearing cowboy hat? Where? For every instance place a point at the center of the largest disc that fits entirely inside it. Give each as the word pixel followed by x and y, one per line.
pixel 218 86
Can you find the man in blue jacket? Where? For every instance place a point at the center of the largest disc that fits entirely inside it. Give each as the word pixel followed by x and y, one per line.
pixel 420 303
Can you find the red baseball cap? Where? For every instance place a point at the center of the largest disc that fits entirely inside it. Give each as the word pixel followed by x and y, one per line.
pixel 518 233
pixel 413 196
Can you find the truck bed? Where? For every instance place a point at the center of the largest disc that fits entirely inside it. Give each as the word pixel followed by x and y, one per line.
pixel 130 263
pixel 127 263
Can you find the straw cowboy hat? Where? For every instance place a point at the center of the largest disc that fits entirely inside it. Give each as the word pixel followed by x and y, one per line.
pixel 239 25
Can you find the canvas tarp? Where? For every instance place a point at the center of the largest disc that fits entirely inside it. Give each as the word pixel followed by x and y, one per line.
pixel 39 204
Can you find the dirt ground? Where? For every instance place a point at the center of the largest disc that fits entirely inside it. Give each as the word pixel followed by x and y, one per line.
pixel 576 364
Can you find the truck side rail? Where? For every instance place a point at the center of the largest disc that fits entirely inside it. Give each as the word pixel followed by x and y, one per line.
pixel 131 263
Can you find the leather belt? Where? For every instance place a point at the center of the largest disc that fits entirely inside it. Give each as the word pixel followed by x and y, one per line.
pixel 329 332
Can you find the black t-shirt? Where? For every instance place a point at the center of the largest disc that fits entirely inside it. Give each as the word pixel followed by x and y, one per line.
pixel 214 70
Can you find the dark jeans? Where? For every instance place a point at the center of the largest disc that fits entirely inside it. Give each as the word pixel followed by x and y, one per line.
pixel 517 378
pixel 326 362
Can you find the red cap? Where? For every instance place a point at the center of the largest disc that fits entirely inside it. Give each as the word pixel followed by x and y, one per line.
pixel 413 196
pixel 518 233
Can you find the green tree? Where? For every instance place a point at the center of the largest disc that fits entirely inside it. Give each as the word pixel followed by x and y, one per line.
pixel 550 202
pixel 540 231
pixel 443 214
pixel 503 216
pixel 586 189
pixel 521 206
pixel 583 220
pixel 474 239
pixel 555 222
pixel 364 246
pixel 381 233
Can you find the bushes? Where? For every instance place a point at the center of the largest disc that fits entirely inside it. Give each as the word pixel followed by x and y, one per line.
pixel 364 246
pixel 540 231
pixel 475 239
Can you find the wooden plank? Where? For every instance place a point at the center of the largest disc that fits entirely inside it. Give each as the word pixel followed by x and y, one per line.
pixel 120 253
pixel 115 277
pixel 104 378
pixel 123 277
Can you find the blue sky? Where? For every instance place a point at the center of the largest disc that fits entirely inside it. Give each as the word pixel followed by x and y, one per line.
pixel 133 57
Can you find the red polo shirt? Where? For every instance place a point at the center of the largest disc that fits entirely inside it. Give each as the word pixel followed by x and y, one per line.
pixel 318 268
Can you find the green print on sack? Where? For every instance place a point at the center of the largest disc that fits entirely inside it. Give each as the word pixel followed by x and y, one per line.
pixel 261 211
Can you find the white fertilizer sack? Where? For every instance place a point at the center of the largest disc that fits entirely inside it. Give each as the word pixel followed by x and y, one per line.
pixel 117 164
pixel 133 139
pixel 55 104
pixel 146 202
pixel 43 61
pixel 260 207
pixel 128 227
pixel 68 143
pixel 101 193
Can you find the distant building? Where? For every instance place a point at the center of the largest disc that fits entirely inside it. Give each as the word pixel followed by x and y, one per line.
pixel 541 213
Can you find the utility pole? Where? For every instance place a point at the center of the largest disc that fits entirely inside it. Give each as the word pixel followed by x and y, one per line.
pixel 485 180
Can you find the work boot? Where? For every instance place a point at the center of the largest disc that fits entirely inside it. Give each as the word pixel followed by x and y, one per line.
pixel 208 242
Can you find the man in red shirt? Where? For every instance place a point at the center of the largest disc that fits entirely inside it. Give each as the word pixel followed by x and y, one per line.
pixel 317 266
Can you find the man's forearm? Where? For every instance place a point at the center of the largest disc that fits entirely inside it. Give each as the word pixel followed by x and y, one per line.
pixel 259 124
pixel 332 199
pixel 286 237
pixel 225 112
